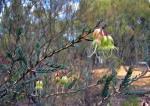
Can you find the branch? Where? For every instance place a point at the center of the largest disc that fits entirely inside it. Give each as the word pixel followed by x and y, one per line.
pixel 70 92
pixel 142 75
pixel 70 44
pixel 138 77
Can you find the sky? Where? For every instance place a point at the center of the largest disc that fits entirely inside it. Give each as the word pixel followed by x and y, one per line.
pixel 74 4
pixel 61 15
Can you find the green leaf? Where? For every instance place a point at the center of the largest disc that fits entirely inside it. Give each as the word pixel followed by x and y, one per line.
pixel 71 84
pixel 19 51
pixel 109 104
pixel 87 29
pixel 37 49
pixel 23 63
pixel 19 31
pixel 105 91
pixel 127 79
pixel 3 67
pixel 8 55
pixel 37 45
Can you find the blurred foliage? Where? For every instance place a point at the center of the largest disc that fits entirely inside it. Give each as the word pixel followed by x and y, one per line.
pixel 105 91
pixel 31 30
pixel 131 101
pixel 127 21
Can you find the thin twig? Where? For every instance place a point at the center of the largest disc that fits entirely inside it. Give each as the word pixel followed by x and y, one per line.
pixel 70 44
pixel 70 92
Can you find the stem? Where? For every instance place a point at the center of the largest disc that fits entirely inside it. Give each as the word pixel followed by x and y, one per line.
pixel 93 51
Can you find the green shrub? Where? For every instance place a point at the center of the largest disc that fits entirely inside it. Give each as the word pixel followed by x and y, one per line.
pixel 132 101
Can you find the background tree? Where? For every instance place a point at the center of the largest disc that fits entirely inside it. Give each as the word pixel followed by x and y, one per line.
pixel 39 37
pixel 128 26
